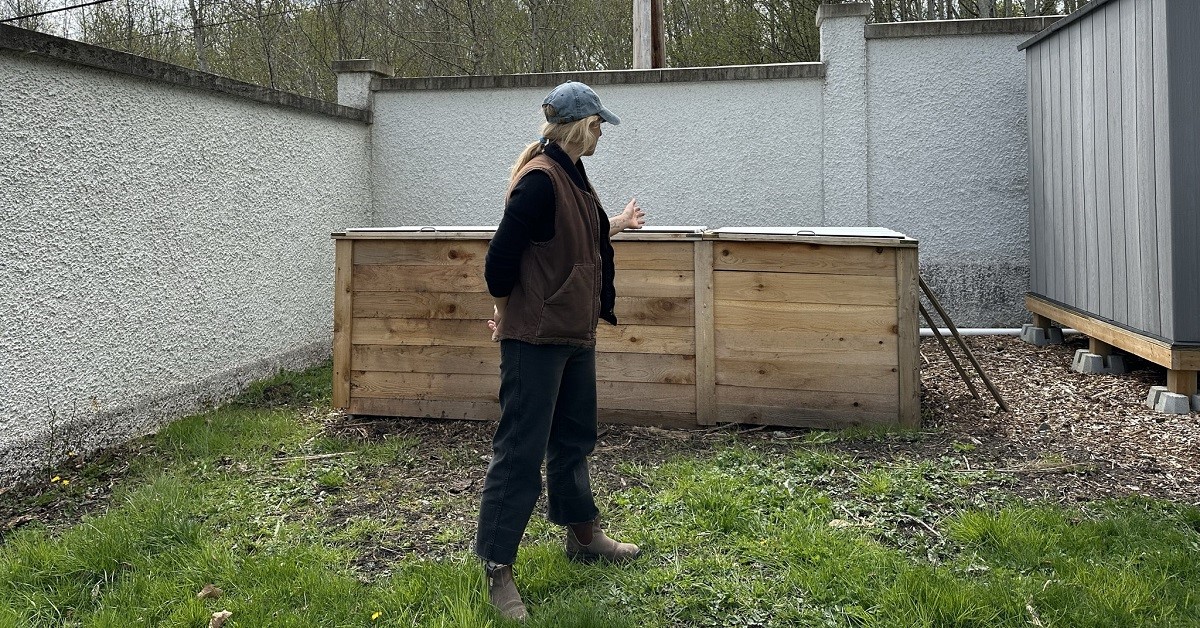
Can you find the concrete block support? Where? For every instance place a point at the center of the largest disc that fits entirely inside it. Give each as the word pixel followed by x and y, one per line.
pixel 844 132
pixel 1093 363
pixel 1165 401
pixel 354 80
pixel 1196 403
pixel 1041 336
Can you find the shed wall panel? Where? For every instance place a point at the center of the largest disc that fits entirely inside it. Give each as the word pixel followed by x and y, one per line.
pixel 1183 47
pixel 1161 160
pixel 1115 170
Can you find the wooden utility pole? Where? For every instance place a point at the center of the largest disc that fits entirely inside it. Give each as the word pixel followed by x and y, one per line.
pixel 649 43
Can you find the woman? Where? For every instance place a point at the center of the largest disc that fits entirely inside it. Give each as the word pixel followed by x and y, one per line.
pixel 550 270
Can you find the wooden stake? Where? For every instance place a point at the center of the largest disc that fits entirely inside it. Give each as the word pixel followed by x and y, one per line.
pixel 945 347
pixel 967 350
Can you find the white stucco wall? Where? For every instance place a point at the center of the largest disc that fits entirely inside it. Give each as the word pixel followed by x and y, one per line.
pixel 948 149
pixel 163 246
pixel 744 152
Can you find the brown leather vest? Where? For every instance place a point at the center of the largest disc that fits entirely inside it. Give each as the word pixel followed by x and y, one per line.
pixel 556 299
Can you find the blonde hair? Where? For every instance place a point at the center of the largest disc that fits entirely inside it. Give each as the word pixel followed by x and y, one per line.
pixel 577 133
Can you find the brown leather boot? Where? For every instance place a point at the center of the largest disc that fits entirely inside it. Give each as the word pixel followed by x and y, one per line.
pixel 502 592
pixel 601 547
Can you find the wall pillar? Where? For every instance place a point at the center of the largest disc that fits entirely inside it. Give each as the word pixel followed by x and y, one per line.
pixel 844 96
pixel 354 81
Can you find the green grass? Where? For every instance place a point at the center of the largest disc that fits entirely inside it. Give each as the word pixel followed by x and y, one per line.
pixel 733 536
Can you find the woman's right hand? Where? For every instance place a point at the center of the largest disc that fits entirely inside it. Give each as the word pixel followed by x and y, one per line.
pixel 494 323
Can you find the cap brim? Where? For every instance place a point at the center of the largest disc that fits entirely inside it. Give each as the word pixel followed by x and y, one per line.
pixel 608 116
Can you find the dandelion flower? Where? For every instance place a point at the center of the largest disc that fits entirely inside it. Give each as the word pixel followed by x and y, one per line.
pixel 66 482
pixel 54 479
pixel 375 615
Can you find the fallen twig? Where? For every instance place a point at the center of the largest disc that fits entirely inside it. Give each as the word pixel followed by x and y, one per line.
pixel 316 457
pixel 923 524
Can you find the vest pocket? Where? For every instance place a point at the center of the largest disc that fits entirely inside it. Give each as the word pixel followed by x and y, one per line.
pixel 568 312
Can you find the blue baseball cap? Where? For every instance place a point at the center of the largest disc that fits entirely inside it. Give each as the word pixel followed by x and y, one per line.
pixel 575 101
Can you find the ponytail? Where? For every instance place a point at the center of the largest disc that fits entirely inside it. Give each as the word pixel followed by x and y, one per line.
pixel 577 133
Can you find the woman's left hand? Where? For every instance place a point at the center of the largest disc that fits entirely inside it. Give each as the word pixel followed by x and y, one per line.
pixel 632 217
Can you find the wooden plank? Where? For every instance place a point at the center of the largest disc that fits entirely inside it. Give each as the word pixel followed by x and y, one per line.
pixel 428 386
pixel 1116 167
pixel 421 252
pixel 1034 115
pixel 674 311
pixel 451 305
pixel 818 240
pixel 1042 321
pixel 1183 22
pixel 807 375
pixel 804 407
pixel 805 317
pixel 706 379
pixel 1077 264
pixel 654 283
pixel 419 279
pixel 647 418
pixel 1147 211
pixel 819 343
pixel 653 255
pixel 833 356
pixel 909 341
pixel 1057 211
pixel 660 368
pixel 645 339
pixel 1100 97
pixel 1098 347
pixel 343 320
pixel 642 396
pixel 806 287
pixel 804 258
pixel 428 359
pixel 387 406
pixel 1181 382
pixel 1066 267
pixel 411 331
pixel 1150 349
pixel 1049 204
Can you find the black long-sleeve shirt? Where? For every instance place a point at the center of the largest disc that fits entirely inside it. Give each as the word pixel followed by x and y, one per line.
pixel 529 217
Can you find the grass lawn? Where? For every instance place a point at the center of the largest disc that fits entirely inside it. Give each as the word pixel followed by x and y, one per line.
pixel 303 518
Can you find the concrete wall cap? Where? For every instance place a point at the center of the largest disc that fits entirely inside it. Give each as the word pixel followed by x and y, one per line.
pixel 23 41
pixel 849 9
pixel 943 28
pixel 767 71
pixel 361 65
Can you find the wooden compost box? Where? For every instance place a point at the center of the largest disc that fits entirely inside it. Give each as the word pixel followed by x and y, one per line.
pixel 813 327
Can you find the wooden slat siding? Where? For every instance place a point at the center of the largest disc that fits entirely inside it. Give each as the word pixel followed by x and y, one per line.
pixel 343 320
pixel 1161 158
pixel 1087 91
pixel 428 359
pixel 645 339
pixel 909 340
pixel 1129 114
pixel 1100 117
pixel 383 406
pixel 640 396
pixel 805 317
pixel 428 386
pixel 652 256
pixel 1150 295
pixel 673 311
pixel 1078 262
pixel 451 305
pixel 421 252
pixel 647 418
pixel 1179 358
pixel 705 329
pixel 808 375
pixel 804 407
pixel 1116 169
pixel 1033 114
pixel 1062 161
pixel 1057 159
pixel 655 283
pixel 428 332
pixel 1183 23
pixel 804 342
pixel 803 258
pixel 1049 222
pixel 650 368
pixel 385 278
pixel 805 288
